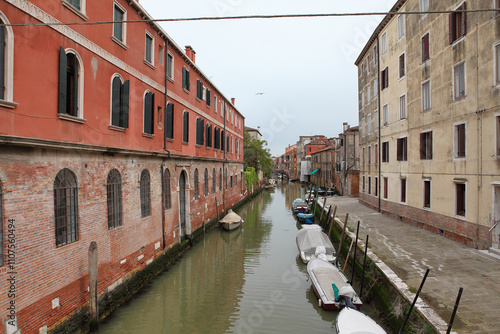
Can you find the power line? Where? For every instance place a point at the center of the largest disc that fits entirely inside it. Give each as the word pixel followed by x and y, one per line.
pixel 247 17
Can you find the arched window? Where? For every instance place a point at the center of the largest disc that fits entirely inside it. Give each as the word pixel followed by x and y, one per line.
pixel 119 102
pixel 114 194
pixel 71 89
pixel 149 106
pixel 213 181
pixel 166 190
pixel 6 63
pixel 196 190
pixel 220 179
pixel 66 207
pixel 225 178
pixel 145 190
pixel 206 182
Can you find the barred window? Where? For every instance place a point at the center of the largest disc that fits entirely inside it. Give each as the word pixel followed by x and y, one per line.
pixel 145 192
pixel 66 207
pixel 206 182
pixel 196 190
pixel 114 192
pixel 166 190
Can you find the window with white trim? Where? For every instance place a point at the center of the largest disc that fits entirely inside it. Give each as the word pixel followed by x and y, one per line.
pixel 119 27
pixel 119 102
pixel 385 114
pixel 6 63
pixel 427 194
pixel 375 87
pixel 170 65
pixel 460 140
pixel 426 96
pixel 402 66
pixel 457 23
pixel 149 107
pixel 497 63
pixel 384 43
pixel 401 26
pixel 459 89
pixel 375 120
pixel 70 97
pixel 402 107
pixel 460 198
pixel 369 124
pixel 149 48
pixel 403 190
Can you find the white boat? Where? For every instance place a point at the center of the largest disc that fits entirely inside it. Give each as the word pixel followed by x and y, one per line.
pixel 351 321
pixel 308 239
pixel 231 221
pixel 330 285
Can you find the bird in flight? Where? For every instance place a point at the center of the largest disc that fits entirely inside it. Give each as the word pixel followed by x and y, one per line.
pixel 260 94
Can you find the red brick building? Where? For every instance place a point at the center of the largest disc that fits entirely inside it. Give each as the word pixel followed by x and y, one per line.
pixel 324 162
pixel 316 145
pixel 108 133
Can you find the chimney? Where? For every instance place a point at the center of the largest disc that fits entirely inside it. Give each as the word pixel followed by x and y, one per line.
pixel 232 101
pixel 191 53
pixel 346 126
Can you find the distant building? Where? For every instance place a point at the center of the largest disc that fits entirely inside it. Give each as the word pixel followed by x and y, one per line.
pixel 254 133
pixel 323 167
pixel 347 161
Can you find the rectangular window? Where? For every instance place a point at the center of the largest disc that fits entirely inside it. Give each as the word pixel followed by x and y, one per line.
pixel 376 153
pixel 386 187
pixel 149 48
pixel 385 151
pixel 375 87
pixel 74 3
pixel 460 140
pixel 161 54
pixel 149 107
pixel 199 89
pixel 427 193
pixel 363 157
pixel 497 126
pixel 402 149
pixel 375 120
pixel 208 97
pixel 403 190
pixel 368 91
pixel 120 102
pixel 402 71
pixel 362 99
pixel 169 121
pixel 369 124
pixel 385 114
pixel 401 26
pixel 185 127
pixel 364 184
pixel 384 77
pixel 457 24
pixel 363 127
pixel 369 154
pixel 119 15
pixel 426 145
pixel 170 66
pixel 459 81
pixel 376 187
pixel 369 185
pixel 185 79
pixel 460 198
pixel 497 63
pixel 425 48
pixel 426 96
pixel 402 107
pixel 384 43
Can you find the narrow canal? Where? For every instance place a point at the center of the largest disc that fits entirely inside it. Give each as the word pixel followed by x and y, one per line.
pixel 249 280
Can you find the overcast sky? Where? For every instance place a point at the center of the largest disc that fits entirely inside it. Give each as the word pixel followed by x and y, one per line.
pixel 303 66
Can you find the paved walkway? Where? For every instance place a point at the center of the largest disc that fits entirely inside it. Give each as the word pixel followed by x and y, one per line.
pixel 407 251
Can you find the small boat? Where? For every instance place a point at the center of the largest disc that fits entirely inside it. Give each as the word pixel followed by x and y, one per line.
pixel 330 192
pixel 231 221
pixel 302 217
pixel 299 205
pixel 321 192
pixel 330 285
pixel 309 197
pixel 270 187
pixel 309 238
pixel 293 179
pixel 351 321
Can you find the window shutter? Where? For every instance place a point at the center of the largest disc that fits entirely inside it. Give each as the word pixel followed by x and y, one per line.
pixel 169 119
pixel 461 140
pixel 185 127
pixel 399 150
pixel 188 82
pixel 387 77
pixel 124 104
pixel 429 146
pixel 63 68
pixel 222 140
pixel 153 113
pixel 463 23
pixel 115 101
pixel 202 132
pixel 422 146
pixel 74 112
pixel 147 117
pixel 451 25
pixel 209 97
pixel 402 65
pixel 183 77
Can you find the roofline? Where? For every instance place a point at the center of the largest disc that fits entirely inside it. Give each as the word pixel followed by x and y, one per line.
pixel 146 16
pixel 379 28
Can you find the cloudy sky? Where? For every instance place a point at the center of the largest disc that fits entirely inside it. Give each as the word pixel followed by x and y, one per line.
pixel 303 66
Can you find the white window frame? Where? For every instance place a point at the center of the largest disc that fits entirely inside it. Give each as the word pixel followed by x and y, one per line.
pixel 497 136
pixel 375 120
pixel 82 12
pixel 401 77
pixel 171 66
pixel 385 114
pixel 423 193
pixel 369 121
pixel 459 98
pixel 81 88
pixel 161 55
pixel 122 80
pixel 363 99
pixel 8 101
pixel 401 26
pixel 421 37
pixel 496 65
pixel 455 182
pixel 383 40
pixel 124 27
pixel 152 48
pixel 428 83
pixel 375 88
pixel 402 116
pixel 363 127
pixel 455 141
pixel 368 94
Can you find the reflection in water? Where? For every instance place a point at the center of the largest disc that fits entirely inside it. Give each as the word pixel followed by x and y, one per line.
pixel 249 280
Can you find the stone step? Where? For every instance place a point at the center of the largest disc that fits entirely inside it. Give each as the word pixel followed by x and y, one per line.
pixel 495 251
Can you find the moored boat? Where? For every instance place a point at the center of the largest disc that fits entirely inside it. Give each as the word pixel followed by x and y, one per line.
pixel 351 321
pixel 299 205
pixel 330 285
pixel 231 221
pixel 309 238
pixel 304 217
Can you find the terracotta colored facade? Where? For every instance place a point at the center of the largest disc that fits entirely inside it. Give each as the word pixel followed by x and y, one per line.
pixel 95 145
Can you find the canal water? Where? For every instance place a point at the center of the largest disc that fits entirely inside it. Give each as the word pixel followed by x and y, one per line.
pixel 248 280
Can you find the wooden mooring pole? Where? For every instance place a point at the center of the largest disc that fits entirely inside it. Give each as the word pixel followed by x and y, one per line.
pixel 333 220
pixel 455 310
pixel 364 264
pixel 354 258
pixel 94 311
pixel 322 210
pixel 342 236
pixel 414 301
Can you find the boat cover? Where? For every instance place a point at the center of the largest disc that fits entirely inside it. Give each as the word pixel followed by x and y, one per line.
pixel 350 321
pixel 231 217
pixel 308 239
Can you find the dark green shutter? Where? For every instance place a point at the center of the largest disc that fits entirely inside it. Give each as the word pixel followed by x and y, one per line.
pixel 187 80
pixel 115 101
pixel 63 68
pixel 2 63
pixel 153 113
pixel 202 132
pixel 147 113
pixel 169 119
pixel 74 112
pixel 124 104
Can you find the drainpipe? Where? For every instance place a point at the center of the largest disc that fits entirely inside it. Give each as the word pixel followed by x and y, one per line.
pixel 379 130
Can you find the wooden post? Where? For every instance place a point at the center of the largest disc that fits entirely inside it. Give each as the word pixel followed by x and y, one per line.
pixel 216 208
pixel 333 219
pixel 328 215
pixel 322 210
pixel 342 235
pixel 94 311
pixel 354 258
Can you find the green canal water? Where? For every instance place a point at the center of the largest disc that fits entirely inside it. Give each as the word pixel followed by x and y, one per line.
pixel 249 280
